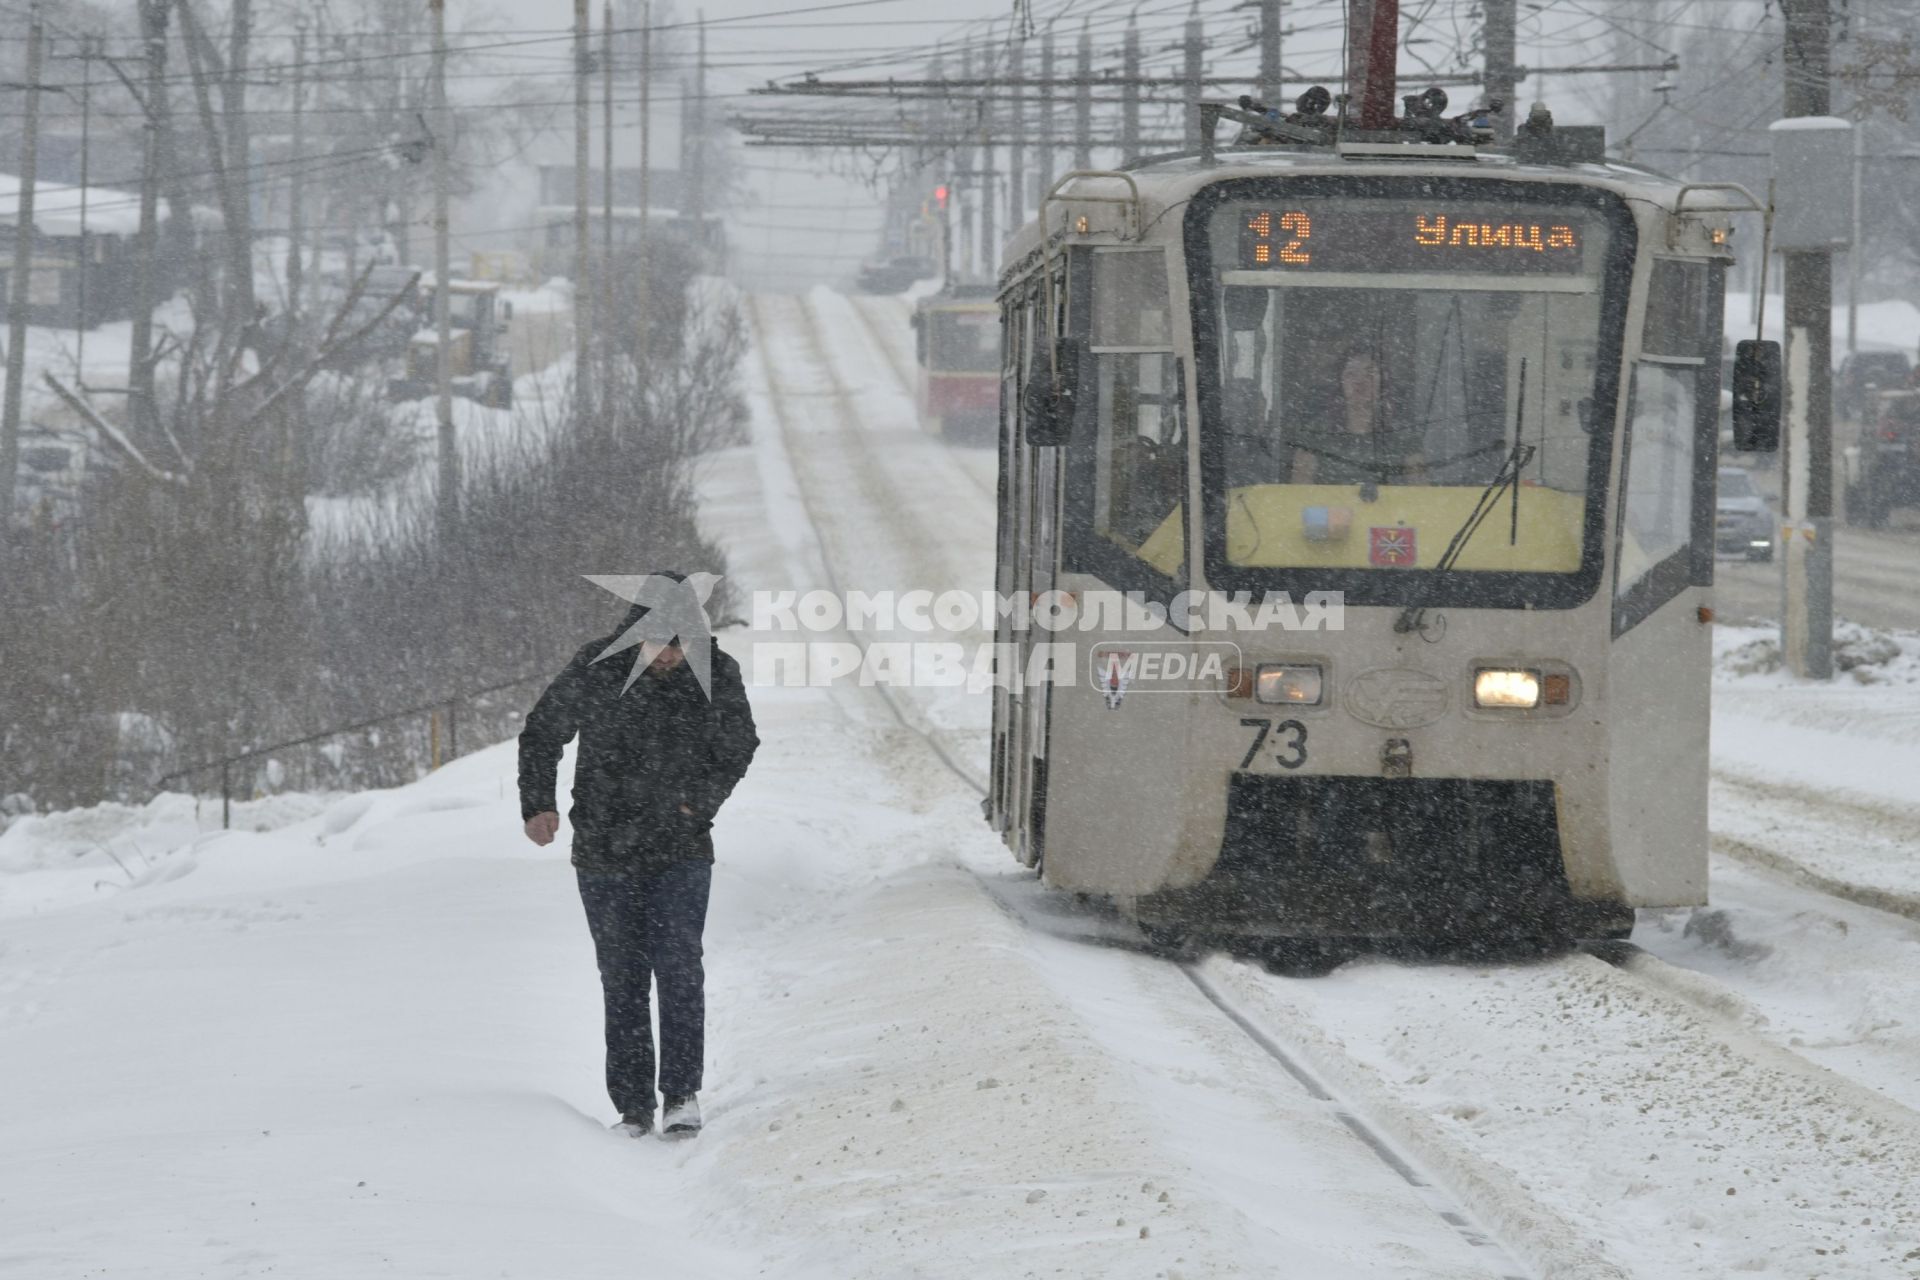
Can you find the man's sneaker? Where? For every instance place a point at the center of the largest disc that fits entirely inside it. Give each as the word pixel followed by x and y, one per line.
pixel 681 1119
pixel 635 1124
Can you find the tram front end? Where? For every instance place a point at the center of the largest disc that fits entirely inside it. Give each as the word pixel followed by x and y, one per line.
pixel 1415 466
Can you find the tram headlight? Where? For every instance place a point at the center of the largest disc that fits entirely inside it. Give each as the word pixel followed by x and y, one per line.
pixel 1508 687
pixel 1290 684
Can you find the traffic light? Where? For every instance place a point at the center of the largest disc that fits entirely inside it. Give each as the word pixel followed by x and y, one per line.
pixel 940 197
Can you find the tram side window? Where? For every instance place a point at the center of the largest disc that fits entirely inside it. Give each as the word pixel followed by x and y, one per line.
pixel 1140 443
pixel 1666 421
pixel 1141 450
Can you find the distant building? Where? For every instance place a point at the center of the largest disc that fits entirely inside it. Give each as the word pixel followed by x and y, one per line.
pixel 83 274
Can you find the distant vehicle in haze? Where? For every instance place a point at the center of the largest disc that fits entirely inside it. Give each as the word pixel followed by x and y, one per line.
pixel 957 345
pixel 1742 521
pixel 481 364
pixel 1883 465
pixel 1861 376
pixel 896 274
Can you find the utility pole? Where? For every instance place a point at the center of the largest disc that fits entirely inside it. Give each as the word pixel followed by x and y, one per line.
pixel 1045 144
pixel 964 171
pixel 989 238
pixel 89 50
pixel 604 341
pixel 583 317
pixel 1855 249
pixel 1083 101
pixel 141 409
pixel 1502 76
pixel 696 128
pixel 1016 136
pixel 1130 92
pixel 643 320
pixel 296 181
pixel 1807 488
pixel 20 295
pixel 1195 70
pixel 447 506
pixel 1271 88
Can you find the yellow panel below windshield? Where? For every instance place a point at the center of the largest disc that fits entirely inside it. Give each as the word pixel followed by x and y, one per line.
pixel 1288 526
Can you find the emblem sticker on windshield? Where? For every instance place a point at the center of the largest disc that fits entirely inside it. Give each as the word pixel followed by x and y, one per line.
pixel 1392 546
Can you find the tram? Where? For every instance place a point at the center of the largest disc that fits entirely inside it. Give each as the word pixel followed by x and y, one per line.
pixel 1399 449
pixel 957 346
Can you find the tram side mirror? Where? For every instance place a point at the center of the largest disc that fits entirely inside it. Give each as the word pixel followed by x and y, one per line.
pixel 1756 396
pixel 1051 400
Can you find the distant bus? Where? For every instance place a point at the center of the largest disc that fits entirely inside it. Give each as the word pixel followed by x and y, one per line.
pixel 957 342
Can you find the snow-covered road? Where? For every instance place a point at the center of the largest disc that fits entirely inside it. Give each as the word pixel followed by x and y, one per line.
pixel 368 1038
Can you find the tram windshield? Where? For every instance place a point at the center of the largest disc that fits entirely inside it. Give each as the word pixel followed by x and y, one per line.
pixel 1382 362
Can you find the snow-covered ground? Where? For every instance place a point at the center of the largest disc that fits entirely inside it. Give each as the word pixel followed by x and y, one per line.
pixel 366 1036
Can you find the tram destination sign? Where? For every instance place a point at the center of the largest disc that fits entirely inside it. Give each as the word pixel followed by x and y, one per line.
pixel 1315 236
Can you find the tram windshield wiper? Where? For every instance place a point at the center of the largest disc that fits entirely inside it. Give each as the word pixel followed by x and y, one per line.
pixel 1414 616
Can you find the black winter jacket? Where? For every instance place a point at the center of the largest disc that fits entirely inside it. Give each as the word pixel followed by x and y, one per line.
pixel 642 755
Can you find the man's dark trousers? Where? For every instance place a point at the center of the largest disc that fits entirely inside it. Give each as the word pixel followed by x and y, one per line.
pixel 646 926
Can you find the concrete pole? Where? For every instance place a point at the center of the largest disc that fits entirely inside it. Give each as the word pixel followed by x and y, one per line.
pixel 1083 101
pixel 989 222
pixel 1016 136
pixel 296 183
pixel 604 339
pixel 1855 250
pixel 20 294
pixel 1502 76
pixel 447 506
pixel 642 265
pixel 89 50
pixel 963 171
pixel 583 317
pixel 696 129
pixel 1193 88
pixel 1047 96
pixel 1272 91
pixel 1130 92
pixel 1807 604
pixel 142 412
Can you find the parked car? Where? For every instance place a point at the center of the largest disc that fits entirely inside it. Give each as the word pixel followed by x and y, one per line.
pixel 1883 466
pixel 1742 522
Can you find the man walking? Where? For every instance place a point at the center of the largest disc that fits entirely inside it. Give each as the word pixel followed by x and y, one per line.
pixel 662 744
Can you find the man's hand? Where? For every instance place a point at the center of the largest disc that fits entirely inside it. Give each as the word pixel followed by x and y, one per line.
pixel 542 827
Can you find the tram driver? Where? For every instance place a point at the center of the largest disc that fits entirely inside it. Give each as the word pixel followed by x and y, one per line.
pixel 1353 443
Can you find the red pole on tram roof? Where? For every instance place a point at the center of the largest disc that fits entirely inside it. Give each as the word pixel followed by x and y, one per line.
pixel 1382 42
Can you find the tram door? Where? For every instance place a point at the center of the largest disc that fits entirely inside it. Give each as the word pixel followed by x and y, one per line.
pixel 1029 549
